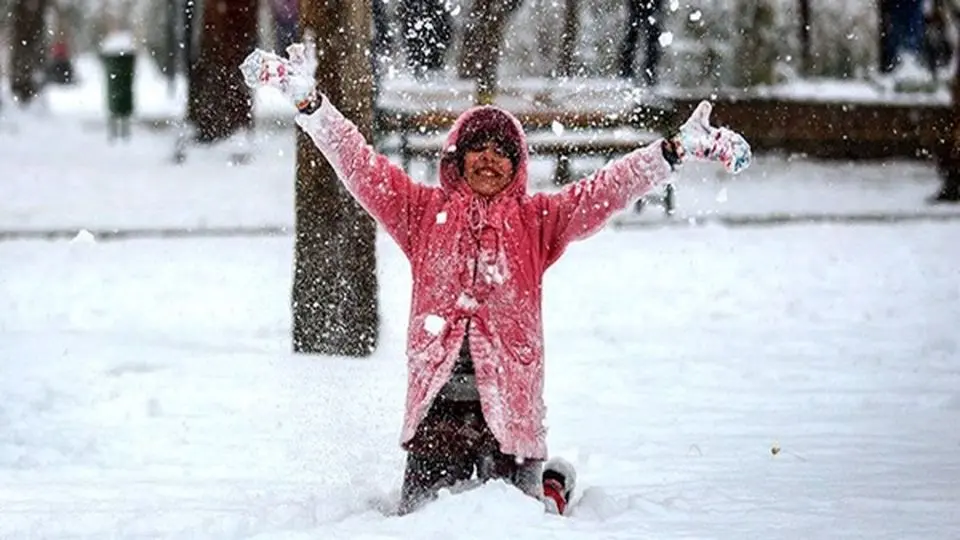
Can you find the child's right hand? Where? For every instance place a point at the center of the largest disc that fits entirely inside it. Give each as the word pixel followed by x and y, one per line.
pixel 292 76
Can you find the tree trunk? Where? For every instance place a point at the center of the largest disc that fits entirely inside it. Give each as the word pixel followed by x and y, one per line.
pixel 335 282
pixel 189 42
pixel 28 48
pixel 482 39
pixel 382 41
pixel 426 28
pixel 172 19
pixel 756 50
pixel 546 35
pixel 806 59
pixel 220 103
pixel 948 157
pixel 568 40
pixel 887 53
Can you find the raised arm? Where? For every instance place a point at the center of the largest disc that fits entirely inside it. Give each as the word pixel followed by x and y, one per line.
pixel 381 187
pixel 584 207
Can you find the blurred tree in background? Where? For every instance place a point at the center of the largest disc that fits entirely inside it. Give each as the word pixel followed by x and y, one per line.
pixel 706 46
pixel 219 102
pixel 29 44
pixel 568 40
pixel 948 157
pixel 335 281
pixel 5 46
pixel 707 40
pixel 483 42
pixel 427 30
pixel 757 40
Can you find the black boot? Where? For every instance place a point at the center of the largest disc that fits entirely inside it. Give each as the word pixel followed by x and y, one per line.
pixel 950 190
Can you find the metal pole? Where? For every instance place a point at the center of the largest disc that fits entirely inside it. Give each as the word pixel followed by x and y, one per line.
pixel 171 59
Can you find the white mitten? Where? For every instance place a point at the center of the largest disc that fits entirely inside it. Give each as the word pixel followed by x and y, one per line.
pixel 292 76
pixel 697 138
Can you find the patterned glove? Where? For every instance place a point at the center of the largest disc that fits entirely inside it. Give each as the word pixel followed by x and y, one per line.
pixel 290 76
pixel 697 138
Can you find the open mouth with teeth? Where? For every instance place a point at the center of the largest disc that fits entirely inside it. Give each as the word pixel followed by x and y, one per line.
pixel 489 172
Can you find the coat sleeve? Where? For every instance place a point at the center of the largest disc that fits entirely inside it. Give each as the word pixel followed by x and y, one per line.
pixel 382 188
pixel 582 208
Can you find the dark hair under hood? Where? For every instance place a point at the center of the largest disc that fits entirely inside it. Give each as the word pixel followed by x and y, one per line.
pixel 481 124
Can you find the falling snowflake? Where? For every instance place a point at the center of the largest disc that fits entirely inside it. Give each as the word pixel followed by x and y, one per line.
pixel 665 39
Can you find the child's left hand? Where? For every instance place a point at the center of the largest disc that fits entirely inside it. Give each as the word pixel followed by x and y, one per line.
pixel 697 138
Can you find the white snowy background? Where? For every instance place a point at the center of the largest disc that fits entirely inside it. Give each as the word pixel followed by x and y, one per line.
pixel 147 389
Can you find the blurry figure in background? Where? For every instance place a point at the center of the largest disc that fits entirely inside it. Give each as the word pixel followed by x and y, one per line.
pixel 427 30
pixel 902 32
pixel 285 17
pixel 948 155
pixel 936 41
pixel 948 165
pixel 644 18
pixel 60 68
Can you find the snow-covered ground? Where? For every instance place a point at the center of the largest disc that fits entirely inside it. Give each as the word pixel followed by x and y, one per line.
pixel 148 390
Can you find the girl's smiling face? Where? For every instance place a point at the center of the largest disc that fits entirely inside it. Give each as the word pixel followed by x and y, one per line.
pixel 487 169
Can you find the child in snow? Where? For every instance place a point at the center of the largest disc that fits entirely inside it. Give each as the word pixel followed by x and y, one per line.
pixel 478 246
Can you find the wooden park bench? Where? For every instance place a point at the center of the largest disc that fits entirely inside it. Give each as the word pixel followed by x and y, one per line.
pixel 898 126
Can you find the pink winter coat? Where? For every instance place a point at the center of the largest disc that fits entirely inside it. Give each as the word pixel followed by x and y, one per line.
pixel 480 261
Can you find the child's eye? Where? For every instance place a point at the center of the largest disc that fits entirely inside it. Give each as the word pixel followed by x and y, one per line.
pixel 497 149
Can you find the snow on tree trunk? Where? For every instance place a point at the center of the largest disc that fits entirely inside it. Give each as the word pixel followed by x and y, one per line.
pixel 427 30
pixel 482 42
pixel 335 282
pixel 568 41
pixel 28 48
pixel 220 103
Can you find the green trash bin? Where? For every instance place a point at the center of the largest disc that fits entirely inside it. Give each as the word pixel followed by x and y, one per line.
pixel 119 68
